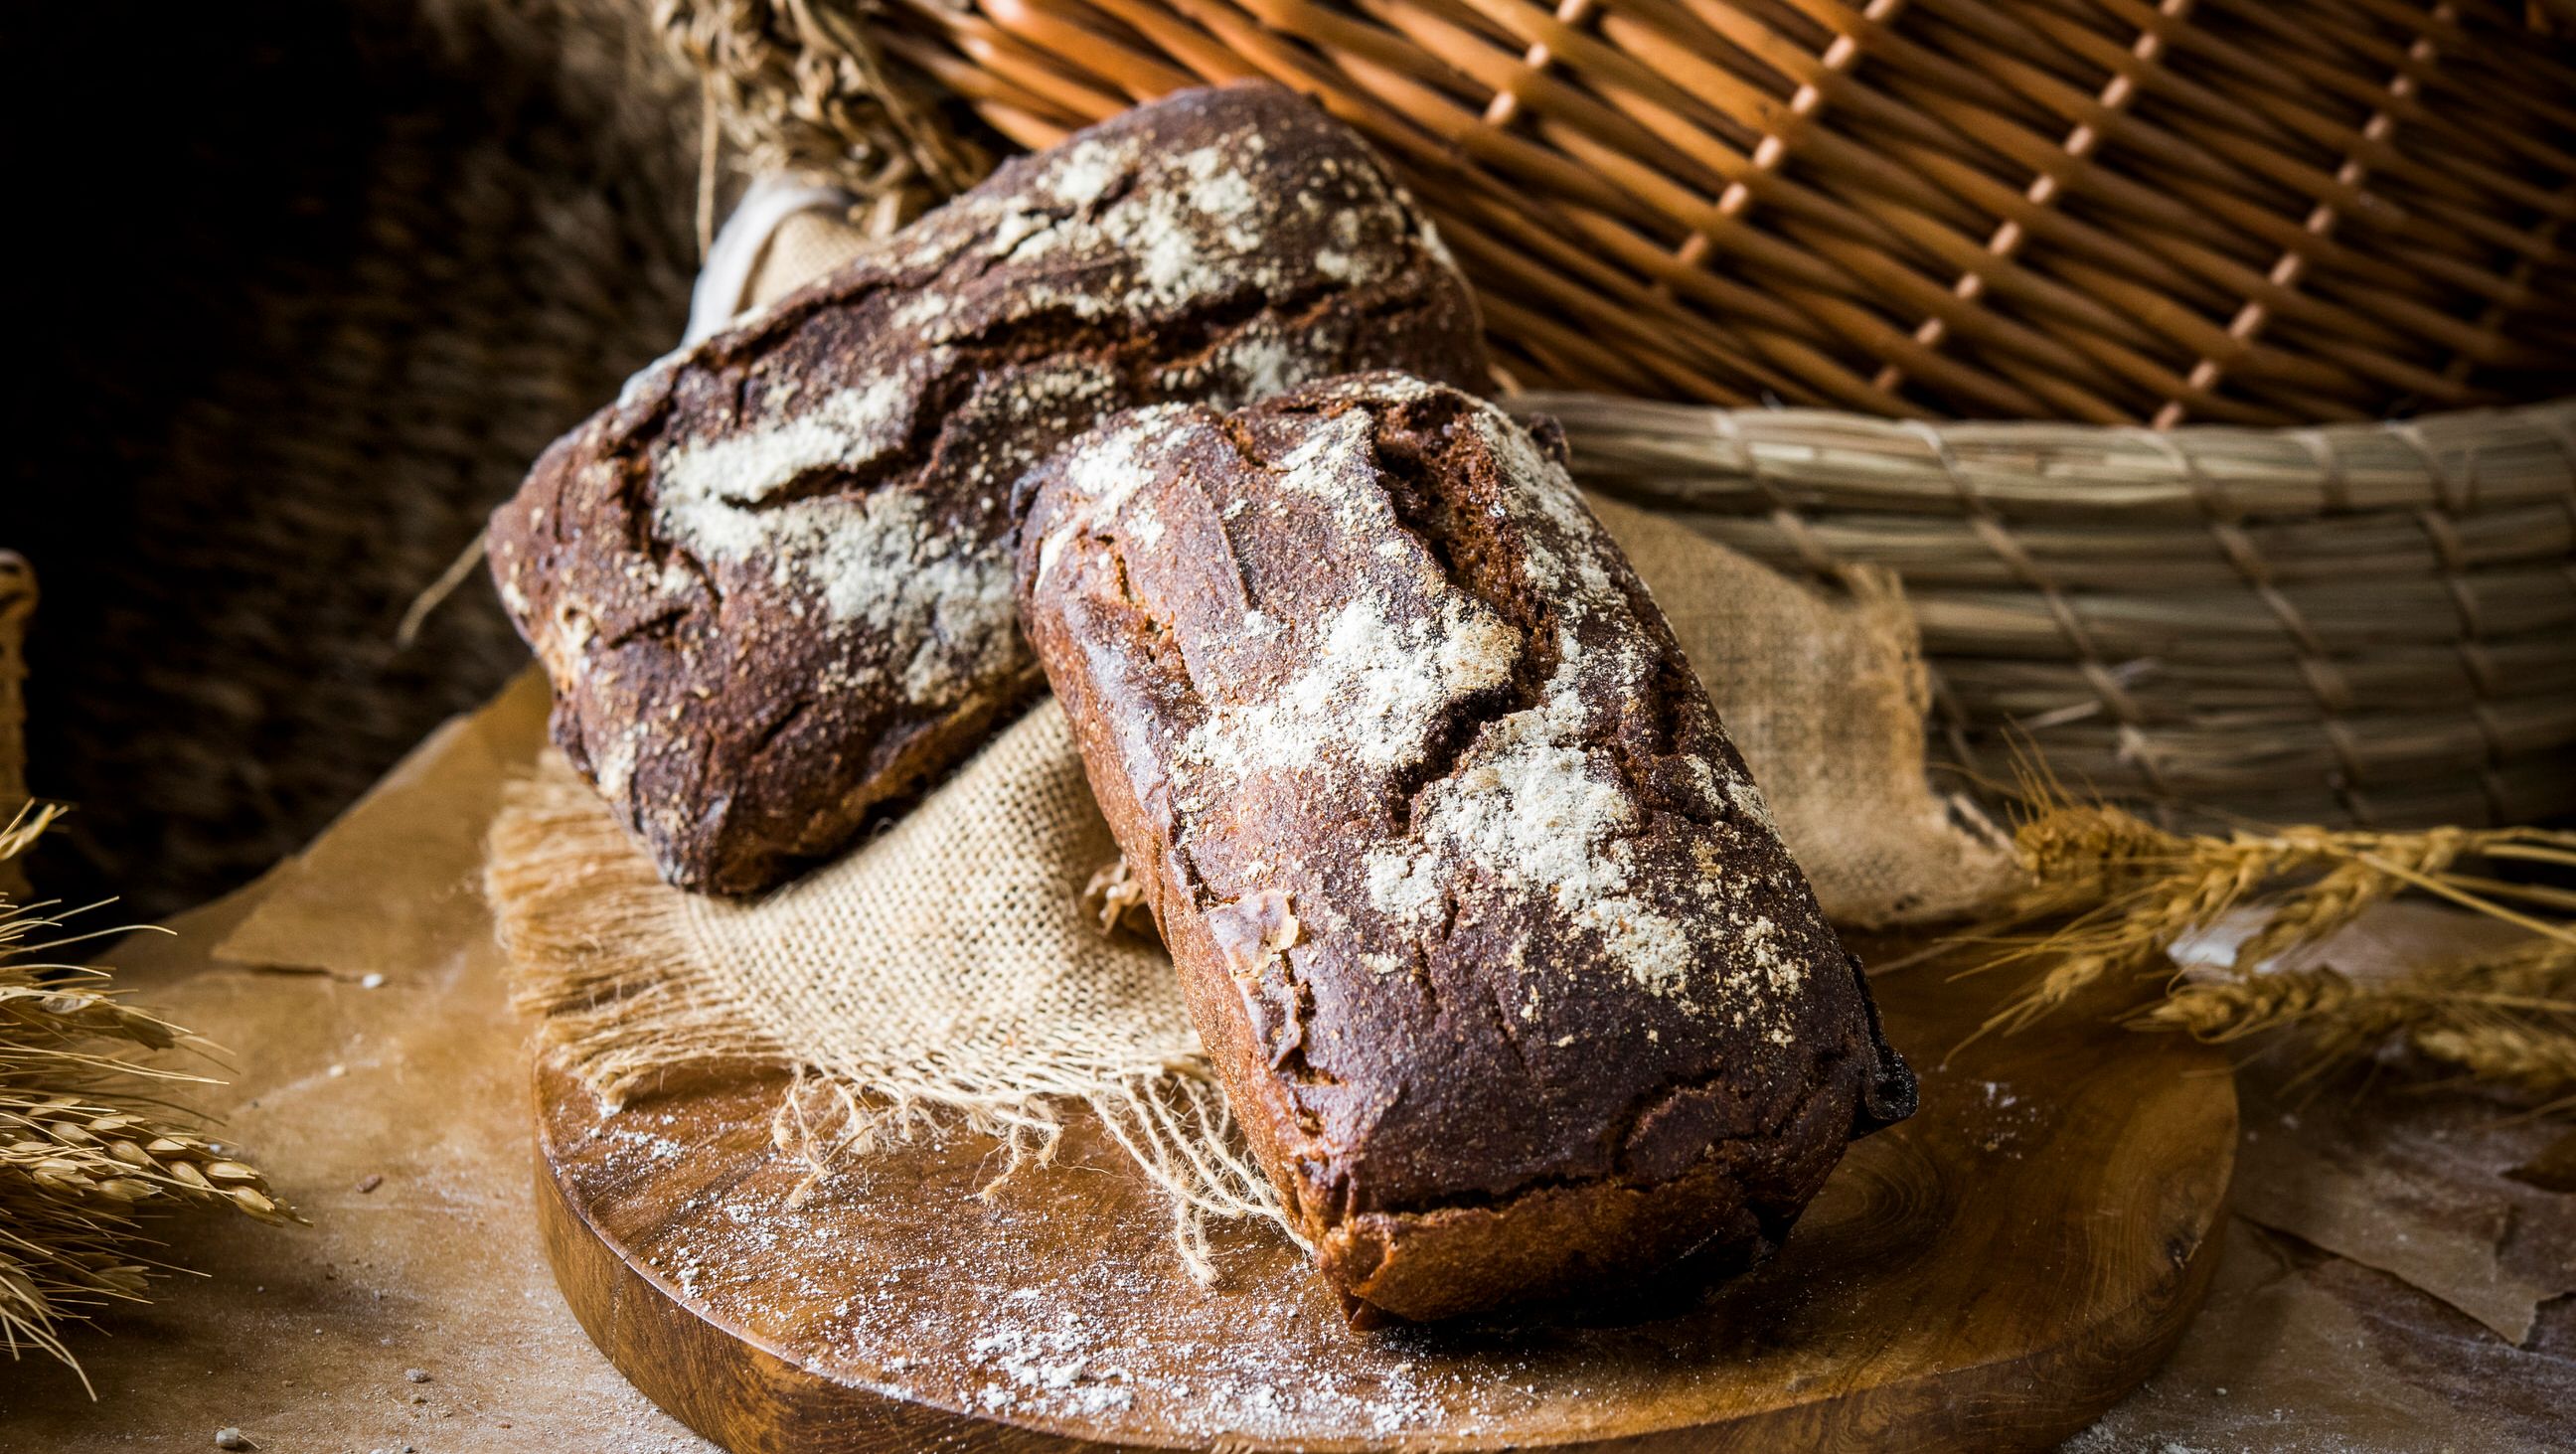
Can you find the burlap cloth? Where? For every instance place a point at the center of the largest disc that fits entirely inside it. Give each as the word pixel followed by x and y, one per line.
pixel 948 969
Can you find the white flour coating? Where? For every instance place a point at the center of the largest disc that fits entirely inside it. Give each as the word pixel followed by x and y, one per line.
pixel 1084 170
pixel 1337 262
pixel 1424 230
pixel 1541 487
pixel 1371 696
pixel 1043 405
pixel 1145 527
pixel 1381 674
pixel 1332 465
pixel 1107 469
pixel 1747 799
pixel 1198 230
pixel 1536 804
pixel 1056 393
pixel 1256 362
pixel 1050 548
pixel 704 483
pixel 614 766
pixel 1265 364
pixel 938 599
pixel 1536 807
pixel 1196 226
pixel 941 602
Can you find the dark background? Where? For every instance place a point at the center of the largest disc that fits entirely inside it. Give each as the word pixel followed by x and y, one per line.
pixel 310 285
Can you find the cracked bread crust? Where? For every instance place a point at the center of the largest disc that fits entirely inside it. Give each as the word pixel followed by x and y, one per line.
pixel 771 583
pixel 1509 978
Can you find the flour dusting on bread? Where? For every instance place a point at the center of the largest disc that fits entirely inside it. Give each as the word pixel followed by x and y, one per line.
pixel 1375 690
pixel 1535 803
pixel 771 583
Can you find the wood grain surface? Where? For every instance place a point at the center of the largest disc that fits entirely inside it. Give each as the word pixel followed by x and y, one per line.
pixel 1988 1276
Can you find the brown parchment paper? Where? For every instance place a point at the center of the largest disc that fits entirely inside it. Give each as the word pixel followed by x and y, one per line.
pixel 302 1339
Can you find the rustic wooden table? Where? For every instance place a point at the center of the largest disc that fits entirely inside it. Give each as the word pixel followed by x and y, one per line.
pixel 2385 1285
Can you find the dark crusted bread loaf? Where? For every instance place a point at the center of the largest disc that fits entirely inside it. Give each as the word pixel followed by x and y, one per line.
pixel 1510 980
pixel 771 583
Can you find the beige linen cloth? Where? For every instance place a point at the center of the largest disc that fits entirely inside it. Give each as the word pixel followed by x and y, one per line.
pixel 948 969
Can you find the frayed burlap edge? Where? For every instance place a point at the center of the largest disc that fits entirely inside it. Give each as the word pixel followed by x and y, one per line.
pixel 627 999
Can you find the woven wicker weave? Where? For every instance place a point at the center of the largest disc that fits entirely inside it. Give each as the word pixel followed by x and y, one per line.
pixel 2257 211
pixel 385 252
pixel 2361 623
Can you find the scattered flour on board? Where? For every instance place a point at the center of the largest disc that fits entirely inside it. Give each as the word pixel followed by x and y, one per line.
pixel 2008 1117
pixel 968 1320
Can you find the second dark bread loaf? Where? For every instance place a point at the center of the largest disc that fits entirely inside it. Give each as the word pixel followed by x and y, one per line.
pixel 770 583
pixel 1509 978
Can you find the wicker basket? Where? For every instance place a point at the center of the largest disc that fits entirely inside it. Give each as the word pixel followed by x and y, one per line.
pixel 2105 211
pixel 385 251
pixel 2363 623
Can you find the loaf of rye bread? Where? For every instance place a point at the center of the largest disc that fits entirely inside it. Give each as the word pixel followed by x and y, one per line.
pixel 1509 978
pixel 771 583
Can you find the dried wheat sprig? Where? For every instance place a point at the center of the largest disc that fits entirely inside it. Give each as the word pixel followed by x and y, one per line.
pixel 2347 890
pixel 2507 1019
pixel 2132 889
pixel 2557 900
pixel 2107 893
pixel 2533 1057
pixel 2540 968
pixel 109 1159
pixel 86 1153
pixel 2535 845
pixel 26 826
pixel 56 1010
pixel 2124 890
pixel 2220 1010
pixel 53 1271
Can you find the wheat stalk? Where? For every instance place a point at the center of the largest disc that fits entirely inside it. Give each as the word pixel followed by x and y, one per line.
pixel 2349 888
pixel 2126 890
pixel 2501 1018
pixel 2112 892
pixel 2218 1011
pixel 86 1152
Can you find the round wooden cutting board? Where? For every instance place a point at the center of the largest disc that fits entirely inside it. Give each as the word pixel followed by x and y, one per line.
pixel 1987 1276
